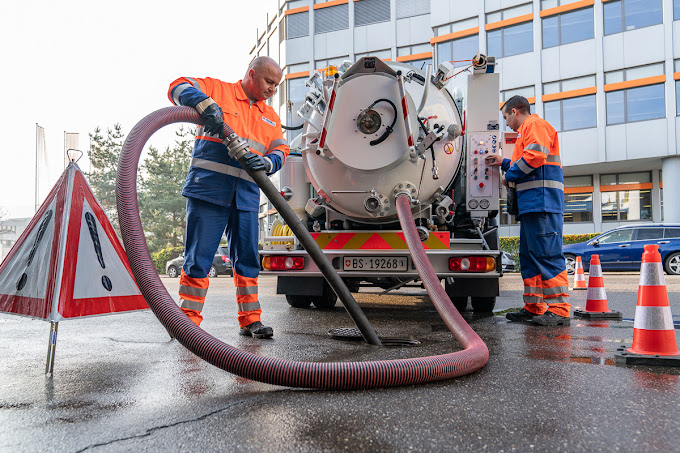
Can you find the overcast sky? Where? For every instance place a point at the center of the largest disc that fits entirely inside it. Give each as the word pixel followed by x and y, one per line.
pixel 72 65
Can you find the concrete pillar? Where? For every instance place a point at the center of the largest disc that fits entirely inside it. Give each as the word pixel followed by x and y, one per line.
pixel 671 189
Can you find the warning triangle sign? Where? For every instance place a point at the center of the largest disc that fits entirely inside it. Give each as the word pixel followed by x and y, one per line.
pixel 69 261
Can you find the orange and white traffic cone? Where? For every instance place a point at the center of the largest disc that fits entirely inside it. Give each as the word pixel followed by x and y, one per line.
pixel 579 277
pixel 654 340
pixel 596 300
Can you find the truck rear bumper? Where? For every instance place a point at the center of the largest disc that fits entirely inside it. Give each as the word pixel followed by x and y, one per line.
pixel 338 258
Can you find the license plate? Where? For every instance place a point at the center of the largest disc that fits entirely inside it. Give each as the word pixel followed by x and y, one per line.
pixel 374 263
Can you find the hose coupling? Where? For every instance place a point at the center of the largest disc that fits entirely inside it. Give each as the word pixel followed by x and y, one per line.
pixel 236 145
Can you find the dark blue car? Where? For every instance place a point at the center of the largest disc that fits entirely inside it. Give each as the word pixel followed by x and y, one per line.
pixel 621 248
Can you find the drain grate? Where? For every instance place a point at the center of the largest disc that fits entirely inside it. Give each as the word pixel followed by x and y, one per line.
pixel 354 334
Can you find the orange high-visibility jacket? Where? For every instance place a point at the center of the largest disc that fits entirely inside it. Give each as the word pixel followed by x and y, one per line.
pixel 536 168
pixel 213 175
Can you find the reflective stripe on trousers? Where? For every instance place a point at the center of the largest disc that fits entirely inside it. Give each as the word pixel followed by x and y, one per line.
pixel 247 301
pixel 192 292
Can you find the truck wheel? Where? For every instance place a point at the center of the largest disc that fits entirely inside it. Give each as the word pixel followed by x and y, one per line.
pixel 460 302
pixel 483 304
pixel 326 301
pixel 298 301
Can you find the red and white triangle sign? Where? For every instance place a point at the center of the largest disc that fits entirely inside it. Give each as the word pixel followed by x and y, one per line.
pixel 69 261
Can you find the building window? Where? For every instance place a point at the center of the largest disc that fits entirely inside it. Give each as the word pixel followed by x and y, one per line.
pixel 417 55
pixel 568 27
pixel 573 113
pixel 508 41
pixel 626 196
pixel 677 82
pixel 457 42
pixel 331 18
pixel 515 38
pixel 382 54
pixel 295 97
pixel 8 229
pixel 636 104
pixel 625 15
pixel 368 12
pixel 635 94
pixel 337 62
pixel 411 8
pixel 297 25
pixel 578 199
pixel 459 51
pixel 570 104
pixel 676 9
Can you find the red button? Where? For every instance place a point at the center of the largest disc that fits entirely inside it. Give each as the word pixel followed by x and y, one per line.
pixel 481 184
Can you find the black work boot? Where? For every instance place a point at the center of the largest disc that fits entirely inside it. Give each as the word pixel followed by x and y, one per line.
pixel 551 319
pixel 257 330
pixel 519 316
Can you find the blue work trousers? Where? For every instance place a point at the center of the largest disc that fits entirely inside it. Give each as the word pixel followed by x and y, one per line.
pixel 205 224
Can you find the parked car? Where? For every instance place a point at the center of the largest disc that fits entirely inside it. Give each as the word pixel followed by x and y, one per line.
pixel 508 263
pixel 621 249
pixel 221 264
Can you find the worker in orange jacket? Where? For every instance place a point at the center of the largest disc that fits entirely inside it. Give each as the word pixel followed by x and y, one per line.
pixel 536 170
pixel 221 196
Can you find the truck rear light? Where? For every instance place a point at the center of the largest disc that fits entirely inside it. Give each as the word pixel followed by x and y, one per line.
pixel 283 263
pixel 472 264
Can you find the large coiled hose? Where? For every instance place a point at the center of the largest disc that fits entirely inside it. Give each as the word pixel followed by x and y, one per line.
pixel 335 375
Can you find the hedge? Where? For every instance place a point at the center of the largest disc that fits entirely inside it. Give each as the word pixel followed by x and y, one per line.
pixel 164 255
pixel 511 244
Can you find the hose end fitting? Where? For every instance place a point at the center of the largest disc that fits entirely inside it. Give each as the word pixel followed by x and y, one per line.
pixel 236 145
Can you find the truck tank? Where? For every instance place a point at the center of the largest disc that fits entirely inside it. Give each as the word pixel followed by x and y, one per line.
pixel 363 153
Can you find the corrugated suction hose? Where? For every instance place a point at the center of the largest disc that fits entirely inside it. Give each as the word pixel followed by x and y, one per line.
pixel 335 375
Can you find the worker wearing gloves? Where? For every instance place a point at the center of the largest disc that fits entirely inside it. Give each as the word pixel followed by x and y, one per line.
pixel 221 196
pixel 536 170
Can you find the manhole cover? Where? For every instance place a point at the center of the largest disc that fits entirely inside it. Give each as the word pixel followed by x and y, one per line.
pixel 354 334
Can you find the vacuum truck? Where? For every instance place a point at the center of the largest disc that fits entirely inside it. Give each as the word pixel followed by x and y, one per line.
pixel 376 130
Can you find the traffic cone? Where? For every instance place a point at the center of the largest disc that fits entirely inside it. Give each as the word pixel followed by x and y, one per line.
pixel 596 301
pixel 579 277
pixel 654 340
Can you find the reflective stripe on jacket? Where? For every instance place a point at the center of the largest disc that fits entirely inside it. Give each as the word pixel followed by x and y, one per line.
pixel 536 168
pixel 214 176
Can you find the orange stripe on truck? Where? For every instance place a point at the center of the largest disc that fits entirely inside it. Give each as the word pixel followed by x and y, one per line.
pixel 439 240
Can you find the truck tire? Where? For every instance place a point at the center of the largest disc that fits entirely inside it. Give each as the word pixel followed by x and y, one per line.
pixel 327 300
pixel 298 301
pixel 483 304
pixel 460 302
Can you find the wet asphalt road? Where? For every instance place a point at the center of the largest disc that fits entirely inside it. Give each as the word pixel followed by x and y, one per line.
pixel 120 384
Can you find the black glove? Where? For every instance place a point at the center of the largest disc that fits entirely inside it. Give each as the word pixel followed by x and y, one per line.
pixel 256 162
pixel 214 123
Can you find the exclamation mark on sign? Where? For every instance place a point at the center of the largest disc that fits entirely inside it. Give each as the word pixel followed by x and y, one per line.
pixel 92 226
pixel 41 232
